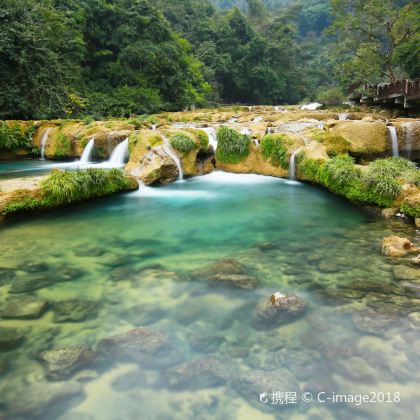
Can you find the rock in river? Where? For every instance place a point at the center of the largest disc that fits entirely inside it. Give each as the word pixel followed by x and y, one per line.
pixel 279 309
pixel 395 246
pixel 241 281
pixel 141 345
pixel 402 272
pixel 25 307
pixel 200 373
pixel 74 310
pixel 10 338
pixel 61 363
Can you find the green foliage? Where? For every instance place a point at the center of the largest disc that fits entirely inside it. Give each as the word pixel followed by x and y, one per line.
pixel 138 121
pixel 410 210
pixel 203 140
pixel 21 205
pixel 63 146
pixel 334 145
pixel 62 187
pixel 274 146
pixel 338 174
pixel 376 185
pixel 331 97
pixel 182 143
pixel 371 35
pixel 232 147
pixel 13 138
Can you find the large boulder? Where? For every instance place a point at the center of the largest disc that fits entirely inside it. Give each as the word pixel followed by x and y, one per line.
pixel 155 167
pixel 141 345
pixel 366 139
pixel 10 338
pixel 396 247
pixel 279 309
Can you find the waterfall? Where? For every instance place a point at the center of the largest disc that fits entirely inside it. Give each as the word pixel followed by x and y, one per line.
pixel 44 140
pixel 394 140
pixel 343 116
pixel 118 155
pixel 292 164
pixel 246 131
pixel 171 153
pixel 154 127
pixel 408 138
pixel 87 152
pixel 211 134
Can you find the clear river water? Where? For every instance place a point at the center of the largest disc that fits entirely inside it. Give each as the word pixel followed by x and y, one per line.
pixel 141 260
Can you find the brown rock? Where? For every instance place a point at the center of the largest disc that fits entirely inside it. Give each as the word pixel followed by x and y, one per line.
pixel 396 247
pixel 241 281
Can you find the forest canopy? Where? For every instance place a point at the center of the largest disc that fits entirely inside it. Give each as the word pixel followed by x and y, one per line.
pixel 100 58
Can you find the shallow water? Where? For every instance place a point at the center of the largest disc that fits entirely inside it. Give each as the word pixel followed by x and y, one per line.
pixel 140 257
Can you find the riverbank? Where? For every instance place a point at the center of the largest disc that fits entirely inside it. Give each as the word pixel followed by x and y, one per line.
pixel 345 152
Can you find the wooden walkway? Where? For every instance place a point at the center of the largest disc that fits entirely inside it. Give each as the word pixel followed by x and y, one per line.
pixel 404 93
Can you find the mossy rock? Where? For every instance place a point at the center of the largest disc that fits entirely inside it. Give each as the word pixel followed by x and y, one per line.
pixel 366 139
pixel 334 144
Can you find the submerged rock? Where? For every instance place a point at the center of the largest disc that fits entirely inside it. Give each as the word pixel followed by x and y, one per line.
pixel 6 275
pixel 395 246
pixel 402 272
pixel 340 296
pixel 389 213
pixel 74 310
pixel 225 266
pixel 251 384
pixel 10 338
pixel 200 373
pixel 61 363
pixel 89 252
pixel 34 399
pixel 141 345
pixel 372 322
pixel 241 281
pixel 27 284
pixel 141 314
pixel 412 288
pixel 34 267
pixel 279 308
pixel 25 307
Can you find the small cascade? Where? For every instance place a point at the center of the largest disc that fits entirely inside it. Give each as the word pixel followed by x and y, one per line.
pixel 211 134
pixel 44 140
pixel 258 119
pixel 292 165
pixel 246 131
pixel 118 155
pixel 171 153
pixel 394 140
pixel 154 126
pixel 321 125
pixel 87 152
pixel 408 138
pixel 342 116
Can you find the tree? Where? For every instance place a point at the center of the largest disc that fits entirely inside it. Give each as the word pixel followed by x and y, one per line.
pixel 369 36
pixel 40 58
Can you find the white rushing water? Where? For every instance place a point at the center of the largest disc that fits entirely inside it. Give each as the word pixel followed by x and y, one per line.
pixel 247 131
pixel 87 152
pixel 292 165
pixel 171 153
pixel 408 138
pixel 342 116
pixel 311 106
pixel 394 140
pixel 44 140
pixel 118 156
pixel 211 134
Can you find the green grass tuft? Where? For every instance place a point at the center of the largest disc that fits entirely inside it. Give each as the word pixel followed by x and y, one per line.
pixel 232 146
pixel 182 143
pixel 274 147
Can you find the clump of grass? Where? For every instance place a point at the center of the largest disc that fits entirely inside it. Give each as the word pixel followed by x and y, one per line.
pixel 13 138
pixel 69 186
pixel 232 146
pixel 274 147
pixel 182 143
pixel 203 140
